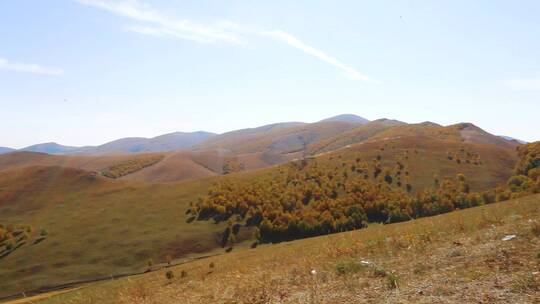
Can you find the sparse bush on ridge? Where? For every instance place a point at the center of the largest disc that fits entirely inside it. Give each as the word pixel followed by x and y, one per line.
pixel 130 166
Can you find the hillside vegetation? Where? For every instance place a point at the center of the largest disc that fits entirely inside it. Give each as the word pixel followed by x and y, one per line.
pixel 98 226
pixel 130 166
pixel 311 198
pixel 458 257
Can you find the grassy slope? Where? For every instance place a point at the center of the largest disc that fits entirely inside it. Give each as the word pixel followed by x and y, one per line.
pixel 184 165
pixel 353 136
pixel 99 226
pixel 457 257
pixel 88 163
pixel 426 157
pixel 96 226
pixel 391 129
pixel 280 139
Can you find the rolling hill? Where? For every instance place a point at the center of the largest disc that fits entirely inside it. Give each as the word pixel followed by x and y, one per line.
pixel 280 138
pixel 94 164
pixel 162 143
pixel 353 136
pixel 275 144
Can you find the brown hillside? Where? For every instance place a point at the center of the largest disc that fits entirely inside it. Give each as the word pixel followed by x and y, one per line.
pixel 463 132
pixel 88 163
pixel 427 158
pixel 356 135
pixel 185 165
pixel 96 226
pixel 282 139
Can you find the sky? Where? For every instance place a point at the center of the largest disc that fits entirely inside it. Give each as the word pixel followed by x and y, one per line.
pixel 85 72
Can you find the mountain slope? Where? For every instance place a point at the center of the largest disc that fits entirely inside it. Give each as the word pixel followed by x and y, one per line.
pixel 462 132
pixel 356 135
pixel 282 138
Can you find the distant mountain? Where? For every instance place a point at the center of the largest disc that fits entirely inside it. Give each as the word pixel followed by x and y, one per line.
pixel 167 142
pixel 513 139
pixel 358 134
pixel 276 138
pixel 6 150
pixel 347 118
pixel 50 148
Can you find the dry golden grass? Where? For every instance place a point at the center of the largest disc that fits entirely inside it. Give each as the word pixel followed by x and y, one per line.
pixel 457 257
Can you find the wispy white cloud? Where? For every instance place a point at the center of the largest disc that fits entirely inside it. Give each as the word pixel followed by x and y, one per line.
pixel 165 32
pixel 159 25
pixel 162 24
pixel 528 84
pixel 308 49
pixel 28 68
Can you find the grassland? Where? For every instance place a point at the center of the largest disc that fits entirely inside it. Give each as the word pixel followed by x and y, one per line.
pixel 97 227
pixel 426 159
pixel 100 227
pixel 112 165
pixel 457 257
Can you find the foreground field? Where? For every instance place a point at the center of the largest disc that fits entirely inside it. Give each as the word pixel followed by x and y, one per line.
pixel 459 257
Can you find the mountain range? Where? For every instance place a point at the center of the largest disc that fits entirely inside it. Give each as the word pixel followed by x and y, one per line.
pixel 286 137
pixel 171 141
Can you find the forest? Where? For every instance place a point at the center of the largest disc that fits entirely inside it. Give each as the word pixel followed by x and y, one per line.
pixel 308 198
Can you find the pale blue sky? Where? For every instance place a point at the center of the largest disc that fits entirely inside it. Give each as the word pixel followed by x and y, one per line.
pixel 89 71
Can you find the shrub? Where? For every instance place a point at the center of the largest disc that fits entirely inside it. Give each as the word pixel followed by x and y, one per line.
pixel 183 274
pixel 392 280
pixel 348 267
pixel 169 275
pixel 212 265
